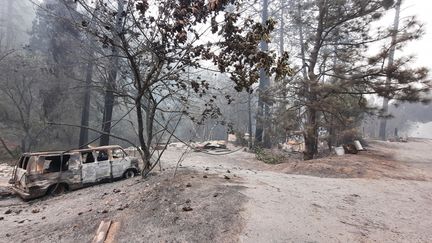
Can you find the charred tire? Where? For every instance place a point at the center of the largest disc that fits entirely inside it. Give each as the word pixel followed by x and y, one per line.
pixel 129 174
pixel 57 189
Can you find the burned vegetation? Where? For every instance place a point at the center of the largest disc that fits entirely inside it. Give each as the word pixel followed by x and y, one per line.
pixel 204 107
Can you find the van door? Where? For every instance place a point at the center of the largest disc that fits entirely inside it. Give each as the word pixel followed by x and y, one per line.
pixel 119 163
pixel 104 165
pixel 89 167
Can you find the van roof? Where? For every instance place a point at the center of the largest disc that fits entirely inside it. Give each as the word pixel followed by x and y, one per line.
pixel 72 151
pixel 44 153
pixel 98 148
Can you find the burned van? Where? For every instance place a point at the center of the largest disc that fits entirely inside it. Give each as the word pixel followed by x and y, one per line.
pixel 39 174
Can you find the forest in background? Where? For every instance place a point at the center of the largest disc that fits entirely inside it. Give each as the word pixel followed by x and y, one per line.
pixel 146 72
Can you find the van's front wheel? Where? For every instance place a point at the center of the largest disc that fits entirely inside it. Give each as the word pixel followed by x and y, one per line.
pixel 129 174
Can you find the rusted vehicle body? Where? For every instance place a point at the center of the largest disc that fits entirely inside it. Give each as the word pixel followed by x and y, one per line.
pixel 39 174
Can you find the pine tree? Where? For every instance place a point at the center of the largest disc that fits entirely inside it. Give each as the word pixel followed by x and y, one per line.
pixel 337 72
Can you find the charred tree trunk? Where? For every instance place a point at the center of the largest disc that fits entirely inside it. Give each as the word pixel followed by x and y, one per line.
pixel 85 114
pixel 383 122
pixel 311 135
pixel 259 121
pixel 311 84
pixel 250 121
pixel 150 110
pixel 262 130
pixel 145 149
pixel 26 141
pixel 301 40
pixel 111 84
pixel 108 107
pixel 303 59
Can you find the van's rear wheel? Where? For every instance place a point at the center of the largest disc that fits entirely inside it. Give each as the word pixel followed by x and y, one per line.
pixel 57 189
pixel 129 174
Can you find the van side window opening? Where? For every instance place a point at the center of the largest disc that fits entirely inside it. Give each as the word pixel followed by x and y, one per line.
pixel 56 163
pixel 36 164
pixel 74 161
pixel 87 157
pixel 102 155
pixel 118 153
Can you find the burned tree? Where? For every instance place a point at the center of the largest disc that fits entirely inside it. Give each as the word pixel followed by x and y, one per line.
pixel 262 131
pixel 160 40
pixel 110 85
pixel 18 88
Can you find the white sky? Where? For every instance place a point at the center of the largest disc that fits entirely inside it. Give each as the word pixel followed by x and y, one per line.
pixel 421 48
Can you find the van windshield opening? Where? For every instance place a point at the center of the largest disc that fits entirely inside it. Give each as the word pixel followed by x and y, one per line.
pixel 23 162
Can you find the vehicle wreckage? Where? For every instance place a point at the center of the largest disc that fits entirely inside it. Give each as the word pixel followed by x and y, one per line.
pixel 42 173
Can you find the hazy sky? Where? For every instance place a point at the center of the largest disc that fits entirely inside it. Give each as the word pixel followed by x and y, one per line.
pixel 421 48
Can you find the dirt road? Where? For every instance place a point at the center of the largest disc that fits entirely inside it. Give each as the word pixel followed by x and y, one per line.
pixel 235 198
pixel 285 208
pixel 295 208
